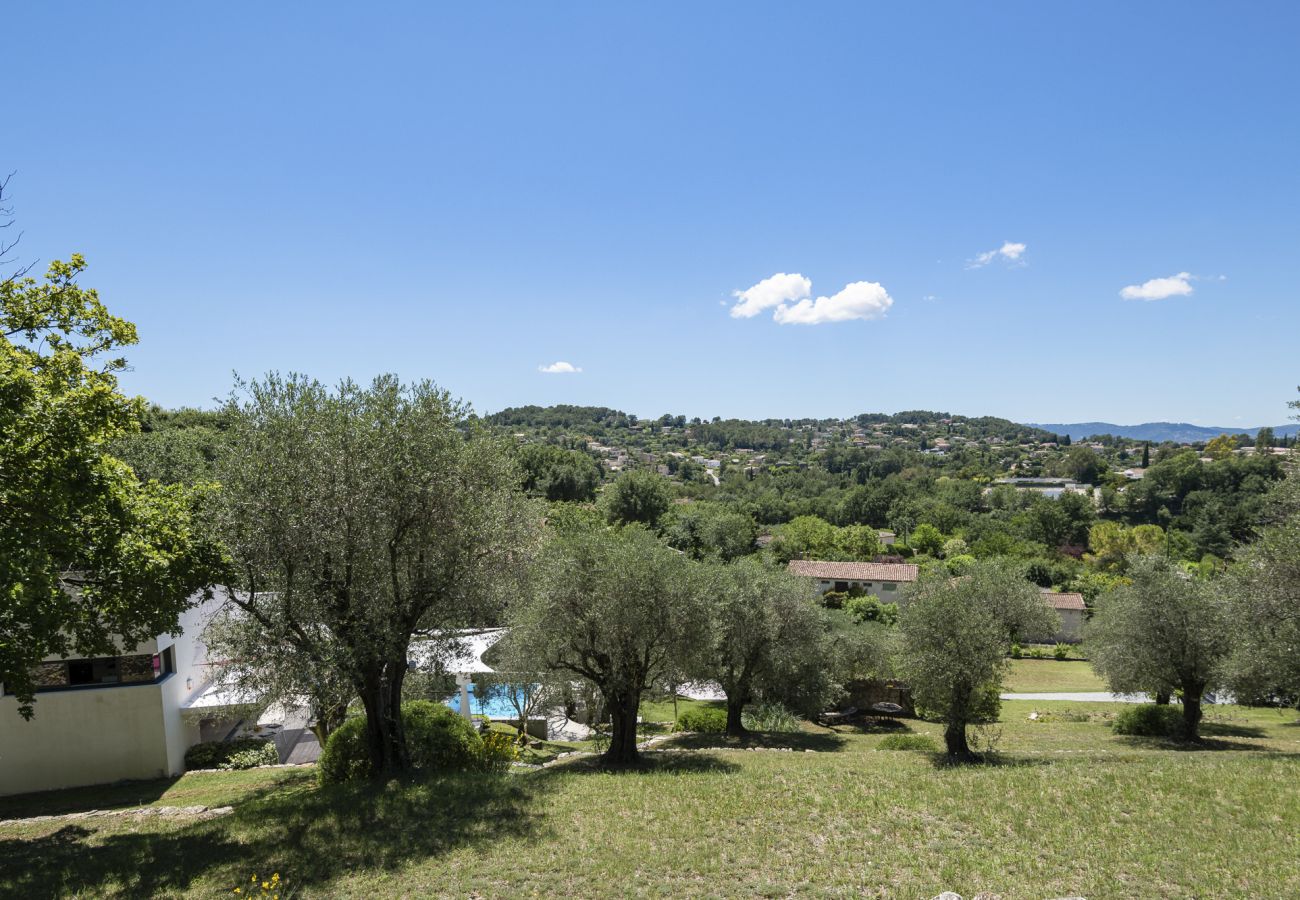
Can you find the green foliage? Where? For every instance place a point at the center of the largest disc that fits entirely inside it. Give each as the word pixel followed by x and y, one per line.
pixel 1061 651
pixel 618 609
pixel 1015 651
pixel 918 742
pixel 500 751
pixel 707 530
pixel 868 608
pixel 1264 593
pixel 927 539
pixel 1149 720
pixel 438 740
pixel 358 515
pixel 954 638
pixel 637 497
pixel 1165 632
pixel 89 556
pixel 707 720
pixel 768 637
pixel 556 474
pixel 772 718
pixel 240 753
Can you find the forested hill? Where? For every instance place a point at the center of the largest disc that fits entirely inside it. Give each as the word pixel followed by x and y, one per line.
pixel 1159 432
pixel 763 433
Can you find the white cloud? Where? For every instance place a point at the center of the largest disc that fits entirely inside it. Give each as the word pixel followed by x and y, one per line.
pixel 859 300
pixel 559 368
pixel 780 288
pixel 1179 285
pixel 1010 251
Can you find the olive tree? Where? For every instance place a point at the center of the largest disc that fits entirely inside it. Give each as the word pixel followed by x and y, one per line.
pixel 360 516
pixel 1264 592
pixel 954 636
pixel 767 637
pixel 1164 631
pixel 617 608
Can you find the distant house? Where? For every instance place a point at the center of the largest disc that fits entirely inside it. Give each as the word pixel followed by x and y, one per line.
pixel 1072 610
pixel 878 579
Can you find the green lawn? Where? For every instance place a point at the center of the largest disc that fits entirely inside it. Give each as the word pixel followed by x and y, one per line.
pixel 1040 675
pixel 1068 808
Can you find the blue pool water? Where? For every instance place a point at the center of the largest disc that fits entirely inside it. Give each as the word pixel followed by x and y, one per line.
pixel 496 705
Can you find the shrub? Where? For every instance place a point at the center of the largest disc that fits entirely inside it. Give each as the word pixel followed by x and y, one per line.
pixel 499 751
pixel 834 599
pixel 1061 651
pixel 867 608
pixel 922 742
pixel 1149 720
pixel 436 737
pixel 703 719
pixel 770 717
pixel 241 753
pixel 1037 653
pixel 1016 652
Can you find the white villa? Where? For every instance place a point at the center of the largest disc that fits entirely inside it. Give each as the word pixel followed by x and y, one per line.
pixel 881 580
pixel 112 718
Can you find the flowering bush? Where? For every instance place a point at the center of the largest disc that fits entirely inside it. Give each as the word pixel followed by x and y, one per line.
pixel 499 751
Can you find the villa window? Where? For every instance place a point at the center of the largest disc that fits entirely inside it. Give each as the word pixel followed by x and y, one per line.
pixel 841 586
pixel 889 587
pixel 102 671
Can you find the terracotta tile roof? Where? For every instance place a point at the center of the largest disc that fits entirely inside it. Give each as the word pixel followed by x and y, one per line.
pixel 854 571
pixel 1065 601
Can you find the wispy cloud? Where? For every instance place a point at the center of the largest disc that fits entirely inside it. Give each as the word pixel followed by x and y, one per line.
pixel 789 296
pixel 560 367
pixel 770 292
pixel 1010 251
pixel 1179 285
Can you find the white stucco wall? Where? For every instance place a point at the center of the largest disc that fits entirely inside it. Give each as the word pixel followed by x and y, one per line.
pixel 86 736
pixel 874 588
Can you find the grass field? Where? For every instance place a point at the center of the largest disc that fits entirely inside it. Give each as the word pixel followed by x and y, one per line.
pixel 1066 808
pixel 1040 675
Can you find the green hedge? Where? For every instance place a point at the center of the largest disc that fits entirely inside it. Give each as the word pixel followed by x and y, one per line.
pixel 241 753
pixel 437 738
pixel 703 718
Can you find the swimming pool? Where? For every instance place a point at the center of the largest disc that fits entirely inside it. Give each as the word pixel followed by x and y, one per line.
pixel 495 705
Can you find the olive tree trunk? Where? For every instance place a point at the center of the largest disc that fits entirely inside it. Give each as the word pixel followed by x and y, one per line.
pixel 385 736
pixel 735 709
pixel 623 709
pixel 1191 713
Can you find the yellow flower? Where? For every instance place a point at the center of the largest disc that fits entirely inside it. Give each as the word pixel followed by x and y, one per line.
pixel 266 885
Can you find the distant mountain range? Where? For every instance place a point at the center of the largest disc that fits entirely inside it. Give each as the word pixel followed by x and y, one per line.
pixel 1157 432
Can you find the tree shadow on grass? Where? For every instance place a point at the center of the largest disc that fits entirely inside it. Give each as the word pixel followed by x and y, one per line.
pixel 818 741
pixel 874 725
pixel 310 836
pixel 1205 744
pixel 1230 729
pixel 943 762
pixel 649 762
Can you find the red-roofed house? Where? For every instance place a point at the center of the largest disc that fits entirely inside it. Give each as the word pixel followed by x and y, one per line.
pixel 1072 610
pixel 878 579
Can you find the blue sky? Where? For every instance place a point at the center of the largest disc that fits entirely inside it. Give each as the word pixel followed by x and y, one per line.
pixel 471 193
